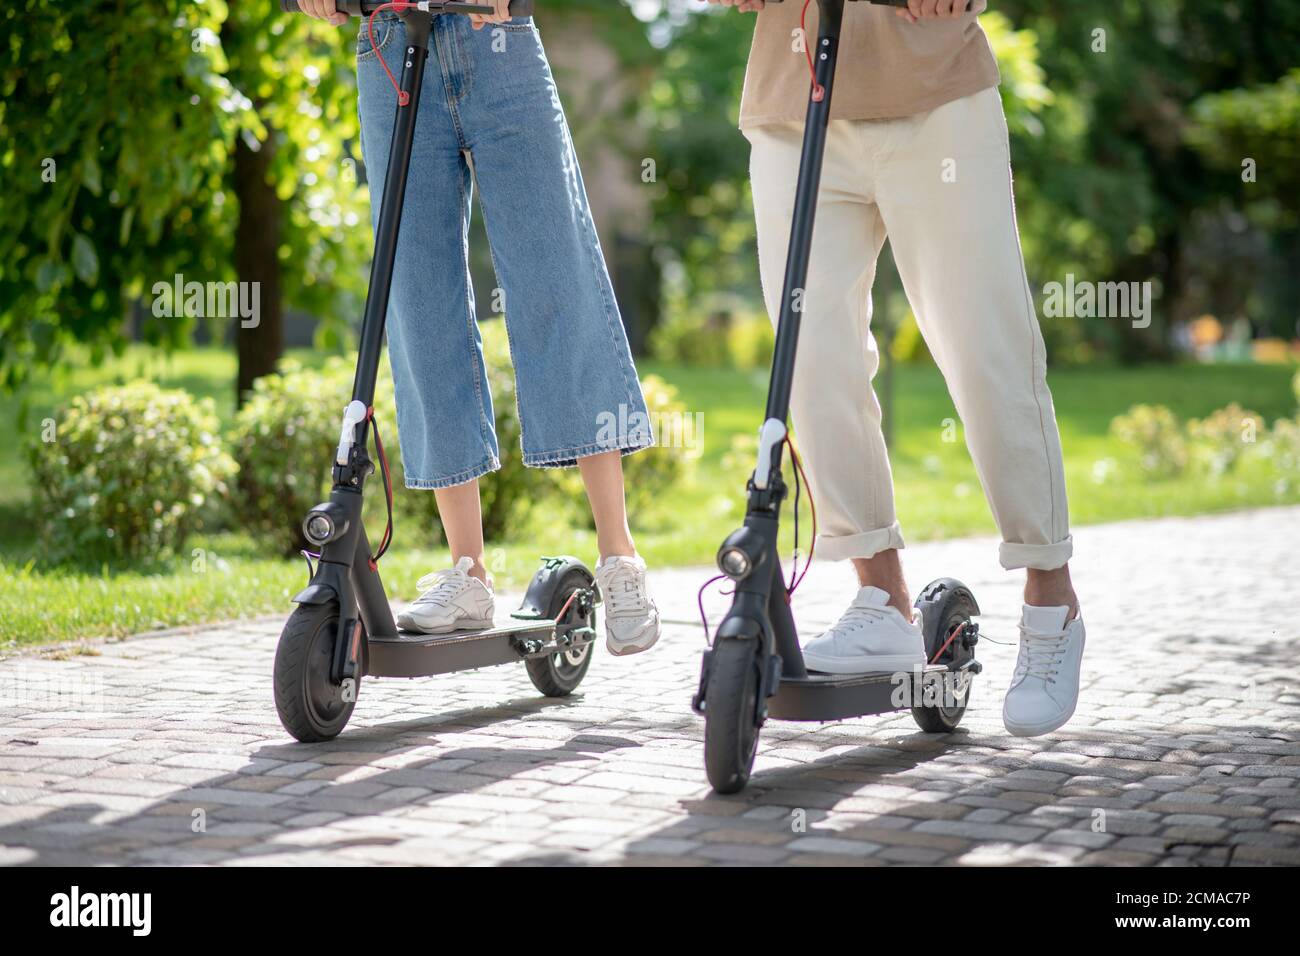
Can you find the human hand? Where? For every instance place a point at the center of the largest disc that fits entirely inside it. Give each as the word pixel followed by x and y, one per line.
pixel 744 6
pixel 480 20
pixel 931 10
pixel 322 10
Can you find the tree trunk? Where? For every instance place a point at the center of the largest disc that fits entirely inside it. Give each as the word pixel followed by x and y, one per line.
pixel 259 341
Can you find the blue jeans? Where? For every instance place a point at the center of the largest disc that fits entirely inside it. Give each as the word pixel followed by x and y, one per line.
pixel 490 116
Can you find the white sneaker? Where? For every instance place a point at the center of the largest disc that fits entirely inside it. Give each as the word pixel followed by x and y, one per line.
pixel 631 617
pixel 1045 686
pixel 870 637
pixel 449 601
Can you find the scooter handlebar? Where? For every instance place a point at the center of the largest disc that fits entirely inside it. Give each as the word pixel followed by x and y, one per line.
pixel 363 8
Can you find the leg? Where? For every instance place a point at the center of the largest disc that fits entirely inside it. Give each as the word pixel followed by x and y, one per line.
pixel 945 190
pixel 577 385
pixel 462 521
pixel 1051 588
pixel 835 411
pixel 838 427
pixel 945 194
pixel 579 398
pixel 885 571
pixel 444 406
pixel 603 477
pixel 444 412
pixel 631 616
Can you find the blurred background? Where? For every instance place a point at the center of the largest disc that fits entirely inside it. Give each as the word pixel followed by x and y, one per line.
pixel 145 148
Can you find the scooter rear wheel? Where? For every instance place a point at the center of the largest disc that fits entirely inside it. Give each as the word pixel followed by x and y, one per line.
pixel 954 607
pixel 559 674
pixel 311 706
pixel 731 714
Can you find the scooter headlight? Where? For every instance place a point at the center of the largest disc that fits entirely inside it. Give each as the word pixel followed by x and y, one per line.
pixel 734 563
pixel 740 554
pixel 324 523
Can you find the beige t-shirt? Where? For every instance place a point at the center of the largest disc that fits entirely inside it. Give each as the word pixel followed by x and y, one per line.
pixel 887 67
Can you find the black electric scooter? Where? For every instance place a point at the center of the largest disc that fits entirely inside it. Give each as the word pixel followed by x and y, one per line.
pixel 343 628
pixel 755 667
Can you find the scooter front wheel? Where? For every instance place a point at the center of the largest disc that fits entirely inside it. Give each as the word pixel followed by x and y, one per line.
pixel 731 721
pixel 311 705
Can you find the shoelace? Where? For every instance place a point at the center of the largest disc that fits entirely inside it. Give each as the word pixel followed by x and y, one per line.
pixel 859 613
pixel 625 593
pixel 1043 654
pixel 439 587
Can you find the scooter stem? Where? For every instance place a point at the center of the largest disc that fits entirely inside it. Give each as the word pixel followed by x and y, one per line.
pixel 805 212
pixel 390 216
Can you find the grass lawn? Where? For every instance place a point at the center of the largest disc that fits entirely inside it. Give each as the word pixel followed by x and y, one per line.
pixel 228 575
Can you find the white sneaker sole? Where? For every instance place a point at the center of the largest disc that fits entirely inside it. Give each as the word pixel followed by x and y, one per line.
pixel 407 623
pixel 624 648
pixel 1040 728
pixel 881 664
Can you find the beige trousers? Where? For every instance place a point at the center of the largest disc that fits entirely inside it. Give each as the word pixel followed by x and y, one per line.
pixel 938 184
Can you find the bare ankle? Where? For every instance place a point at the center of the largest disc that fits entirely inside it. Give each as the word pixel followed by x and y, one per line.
pixel 884 570
pixel 1051 588
pixel 618 548
pixel 479 570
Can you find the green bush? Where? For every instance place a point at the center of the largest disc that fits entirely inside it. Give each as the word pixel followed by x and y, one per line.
pixel 751 341
pixel 131 472
pixel 650 474
pixel 690 339
pixel 738 460
pixel 285 435
pixel 1156 434
pixel 1282 447
pixel 1222 437
pixel 722 338
pixel 283 440
pixel 909 345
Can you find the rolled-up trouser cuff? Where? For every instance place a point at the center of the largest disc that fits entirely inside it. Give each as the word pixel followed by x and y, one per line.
pixel 1040 557
pixel 866 544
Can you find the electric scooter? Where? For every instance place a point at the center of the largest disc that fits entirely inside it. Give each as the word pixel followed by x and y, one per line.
pixel 755 668
pixel 343 628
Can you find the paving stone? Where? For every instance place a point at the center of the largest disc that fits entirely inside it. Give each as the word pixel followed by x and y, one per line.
pixel 476 769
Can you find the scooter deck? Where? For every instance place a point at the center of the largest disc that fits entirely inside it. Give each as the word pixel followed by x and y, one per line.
pixel 409 654
pixel 840 696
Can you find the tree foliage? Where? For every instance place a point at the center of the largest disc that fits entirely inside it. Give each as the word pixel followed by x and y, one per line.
pixel 117 130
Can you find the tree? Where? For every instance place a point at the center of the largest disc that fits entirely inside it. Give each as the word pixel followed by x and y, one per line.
pixel 301 216
pixel 1127 191
pixel 1252 136
pixel 112 131
pixel 179 137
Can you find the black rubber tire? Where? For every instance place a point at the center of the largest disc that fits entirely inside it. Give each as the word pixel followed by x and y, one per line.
pixel 311 707
pixel 558 675
pixel 940 719
pixel 731 714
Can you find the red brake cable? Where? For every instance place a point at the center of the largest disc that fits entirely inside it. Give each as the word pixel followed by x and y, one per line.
pixel 818 91
pixel 403 97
